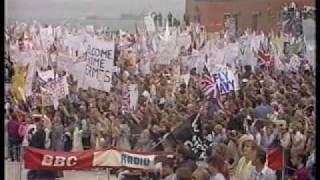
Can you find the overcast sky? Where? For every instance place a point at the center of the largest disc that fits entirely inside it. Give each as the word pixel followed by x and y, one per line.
pixel 34 9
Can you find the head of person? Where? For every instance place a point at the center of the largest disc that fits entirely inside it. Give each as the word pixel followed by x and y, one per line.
pixel 260 158
pixel 167 167
pixel 260 100
pixel 221 150
pixel 14 117
pixel 200 174
pixel 248 148
pixel 184 173
pixel 215 164
pixel 298 159
pixel 185 153
pixel 39 124
pixel 269 129
pixel 218 129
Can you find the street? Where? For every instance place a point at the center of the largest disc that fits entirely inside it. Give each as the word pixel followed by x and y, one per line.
pixel 13 169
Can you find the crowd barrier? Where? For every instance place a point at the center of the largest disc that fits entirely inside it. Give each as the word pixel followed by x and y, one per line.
pixel 17 171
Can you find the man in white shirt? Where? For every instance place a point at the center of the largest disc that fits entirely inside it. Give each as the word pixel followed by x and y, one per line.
pixel 261 171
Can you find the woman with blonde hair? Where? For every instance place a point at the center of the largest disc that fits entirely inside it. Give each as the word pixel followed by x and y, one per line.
pixel 247 148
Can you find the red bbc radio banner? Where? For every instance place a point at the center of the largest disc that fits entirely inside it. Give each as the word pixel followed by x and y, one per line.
pixel 39 159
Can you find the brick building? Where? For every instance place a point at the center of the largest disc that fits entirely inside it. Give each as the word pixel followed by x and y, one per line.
pixel 256 14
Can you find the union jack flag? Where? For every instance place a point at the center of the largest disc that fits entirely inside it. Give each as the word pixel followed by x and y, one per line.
pixel 208 83
pixel 210 89
pixel 265 58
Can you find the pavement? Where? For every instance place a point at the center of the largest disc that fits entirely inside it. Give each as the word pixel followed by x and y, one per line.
pixel 15 171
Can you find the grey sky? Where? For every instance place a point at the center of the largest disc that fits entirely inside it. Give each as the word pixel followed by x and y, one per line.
pixel 56 9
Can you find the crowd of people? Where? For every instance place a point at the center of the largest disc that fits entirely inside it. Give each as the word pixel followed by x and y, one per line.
pixel 273 108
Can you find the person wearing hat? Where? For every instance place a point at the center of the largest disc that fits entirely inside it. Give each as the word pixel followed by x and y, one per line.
pixel 244 167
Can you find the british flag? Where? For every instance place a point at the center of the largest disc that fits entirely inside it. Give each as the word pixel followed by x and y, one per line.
pixel 208 83
pixel 265 58
pixel 263 55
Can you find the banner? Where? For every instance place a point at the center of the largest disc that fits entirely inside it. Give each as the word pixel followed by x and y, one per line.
pixel 150 26
pixel 133 95
pixel 30 76
pixel 125 101
pixel 74 44
pixel 39 159
pixel 55 90
pixel 46 37
pixel 294 63
pixel 309 28
pixel 99 66
pixel 76 69
pixel 226 81
pixel 46 75
pixel 184 40
pixel 22 57
pixel 167 52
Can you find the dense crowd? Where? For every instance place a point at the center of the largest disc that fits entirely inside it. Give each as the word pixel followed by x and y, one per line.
pixel 273 108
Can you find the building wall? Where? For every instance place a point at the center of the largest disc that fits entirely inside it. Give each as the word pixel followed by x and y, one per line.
pixel 212 12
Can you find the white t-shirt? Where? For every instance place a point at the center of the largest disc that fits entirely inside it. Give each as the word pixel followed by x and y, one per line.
pixel 218 176
pixel 258 138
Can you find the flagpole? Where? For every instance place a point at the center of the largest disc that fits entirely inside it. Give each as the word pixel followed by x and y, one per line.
pixel 108 173
pixel 283 164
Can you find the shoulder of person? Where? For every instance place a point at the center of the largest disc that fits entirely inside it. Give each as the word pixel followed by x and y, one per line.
pixel 219 176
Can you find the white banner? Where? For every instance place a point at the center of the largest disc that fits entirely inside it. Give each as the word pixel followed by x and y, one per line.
pixel 144 66
pixel 150 26
pixel 114 158
pixel 133 95
pixel 74 43
pixel 184 40
pixel 99 66
pixel 22 57
pixel 55 90
pixel 46 37
pixel 309 32
pixel 46 75
pixel 294 63
pixel 227 81
pixel 185 78
pixel 167 51
pixel 30 76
